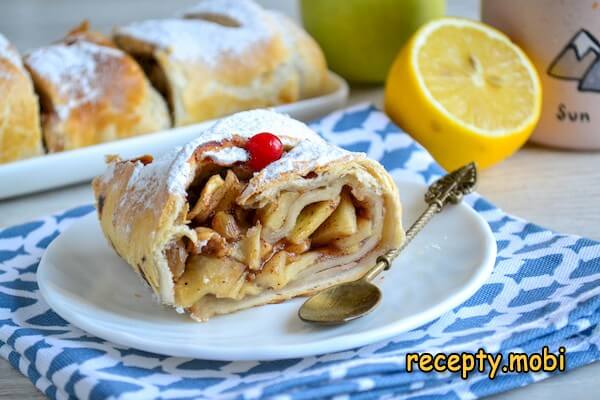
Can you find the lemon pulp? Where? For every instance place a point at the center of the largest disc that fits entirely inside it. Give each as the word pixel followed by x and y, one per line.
pixel 478 79
pixel 464 91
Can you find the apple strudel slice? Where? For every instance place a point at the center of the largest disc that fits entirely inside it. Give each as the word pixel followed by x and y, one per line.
pixel 259 209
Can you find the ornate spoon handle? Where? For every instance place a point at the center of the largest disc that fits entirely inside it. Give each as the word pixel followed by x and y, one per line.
pixel 449 189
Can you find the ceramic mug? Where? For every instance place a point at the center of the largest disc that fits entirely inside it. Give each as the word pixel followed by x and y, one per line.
pixel 562 38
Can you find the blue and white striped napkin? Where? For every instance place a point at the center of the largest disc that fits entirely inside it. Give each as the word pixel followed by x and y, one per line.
pixel 544 291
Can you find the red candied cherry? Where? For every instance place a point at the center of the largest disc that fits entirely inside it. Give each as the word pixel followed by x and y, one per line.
pixel 264 148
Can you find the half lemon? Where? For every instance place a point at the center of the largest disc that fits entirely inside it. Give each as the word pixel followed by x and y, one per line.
pixel 465 92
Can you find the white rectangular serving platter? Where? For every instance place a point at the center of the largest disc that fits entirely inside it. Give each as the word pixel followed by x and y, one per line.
pixel 60 169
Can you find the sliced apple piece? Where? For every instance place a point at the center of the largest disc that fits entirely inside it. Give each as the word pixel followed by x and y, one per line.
pixel 233 188
pixel 222 277
pixel 310 219
pixel 298 248
pixel 212 193
pixel 339 224
pixel 272 275
pixel 265 249
pixel 237 251
pixel 250 249
pixel 364 229
pixel 273 215
pixel 225 224
pixel 281 269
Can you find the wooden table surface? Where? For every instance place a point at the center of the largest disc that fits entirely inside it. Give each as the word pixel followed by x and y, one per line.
pixel 557 189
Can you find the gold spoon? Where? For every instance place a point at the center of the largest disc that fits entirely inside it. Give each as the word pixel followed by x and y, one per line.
pixel 351 300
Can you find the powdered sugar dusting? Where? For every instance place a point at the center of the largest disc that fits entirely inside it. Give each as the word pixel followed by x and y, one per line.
pixel 248 123
pixel 244 12
pixel 73 70
pixel 9 52
pixel 227 156
pixel 197 39
pixel 170 171
pixel 174 172
pixel 243 124
pixel 301 160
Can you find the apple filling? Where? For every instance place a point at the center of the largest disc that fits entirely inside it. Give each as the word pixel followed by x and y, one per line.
pixel 239 252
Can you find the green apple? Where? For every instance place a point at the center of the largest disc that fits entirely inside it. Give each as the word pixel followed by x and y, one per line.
pixel 361 38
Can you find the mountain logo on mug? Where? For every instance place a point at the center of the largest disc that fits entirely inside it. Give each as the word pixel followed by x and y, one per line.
pixel 579 61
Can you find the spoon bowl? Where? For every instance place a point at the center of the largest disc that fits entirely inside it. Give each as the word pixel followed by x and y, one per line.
pixel 341 303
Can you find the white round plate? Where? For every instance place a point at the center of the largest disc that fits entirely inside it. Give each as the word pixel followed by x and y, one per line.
pixel 87 284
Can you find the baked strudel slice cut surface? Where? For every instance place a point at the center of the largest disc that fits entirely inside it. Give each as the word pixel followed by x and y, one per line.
pixel 92 92
pixel 211 235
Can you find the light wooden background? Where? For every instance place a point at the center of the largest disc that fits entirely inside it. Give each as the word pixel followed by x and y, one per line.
pixel 557 189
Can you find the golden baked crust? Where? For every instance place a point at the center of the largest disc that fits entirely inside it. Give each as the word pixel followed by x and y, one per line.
pixel 146 210
pixel 307 57
pixel 92 92
pixel 20 133
pixel 225 56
